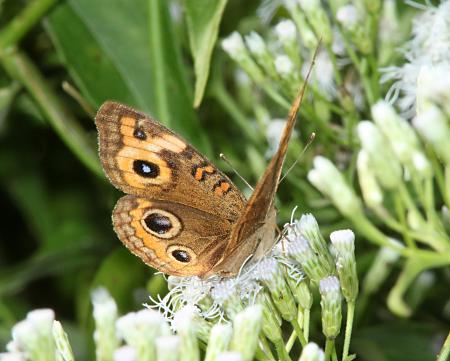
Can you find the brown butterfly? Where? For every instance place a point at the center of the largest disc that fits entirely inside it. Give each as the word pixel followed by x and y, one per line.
pixel 182 215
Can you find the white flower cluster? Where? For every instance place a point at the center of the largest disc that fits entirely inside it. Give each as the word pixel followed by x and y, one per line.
pixel 428 48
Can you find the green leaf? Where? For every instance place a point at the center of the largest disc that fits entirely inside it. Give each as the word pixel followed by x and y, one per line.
pixel 203 19
pixel 127 51
pixel 89 66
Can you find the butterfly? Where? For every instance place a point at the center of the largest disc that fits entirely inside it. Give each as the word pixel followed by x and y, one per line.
pixel 181 214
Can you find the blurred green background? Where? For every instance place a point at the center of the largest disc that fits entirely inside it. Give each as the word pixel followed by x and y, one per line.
pixel 57 241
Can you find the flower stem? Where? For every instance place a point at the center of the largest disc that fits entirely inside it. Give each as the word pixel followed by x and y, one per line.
pixel 306 314
pixel 291 341
pixel 281 351
pixel 299 332
pixel 329 346
pixel 402 217
pixel 348 328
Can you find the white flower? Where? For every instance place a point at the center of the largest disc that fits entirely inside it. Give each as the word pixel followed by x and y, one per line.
pixel 433 85
pixel 286 31
pixel 348 16
pixel 234 45
pixel 430 46
pixel 283 65
pixel 255 43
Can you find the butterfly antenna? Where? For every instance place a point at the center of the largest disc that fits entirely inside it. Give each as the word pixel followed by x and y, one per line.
pixel 225 159
pixel 76 95
pixel 311 138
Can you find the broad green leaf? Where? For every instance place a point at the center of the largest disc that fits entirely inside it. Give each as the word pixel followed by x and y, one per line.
pixel 203 20
pixel 140 60
pixel 89 66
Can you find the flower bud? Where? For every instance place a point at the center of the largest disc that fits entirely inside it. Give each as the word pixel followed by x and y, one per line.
pixel 63 348
pixel 140 329
pixel 185 322
pixel 300 250
pixel 326 177
pixel 401 136
pixel 312 352
pixel 385 165
pixel 434 128
pixel 167 348
pixel 270 273
pixel 125 353
pixel 344 248
pixel 371 192
pixel 105 316
pixel 219 340
pixel 271 319
pixel 247 325
pixel 330 302
pixel 34 337
pixel 310 230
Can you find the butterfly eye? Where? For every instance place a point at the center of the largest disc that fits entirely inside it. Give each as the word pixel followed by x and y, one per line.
pixel 139 134
pixel 181 256
pixel 161 223
pixel 146 169
pixel 158 223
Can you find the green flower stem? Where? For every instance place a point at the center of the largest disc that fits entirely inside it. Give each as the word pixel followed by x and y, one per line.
pixel 348 329
pixel 384 215
pixel 227 102
pixel 306 318
pixel 329 346
pixel 20 67
pixel 22 23
pixel 400 209
pixel 442 181
pixel 264 352
pixel 375 76
pixel 365 227
pixel 445 351
pixel 413 267
pixel 281 351
pixel 291 341
pixel 299 332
